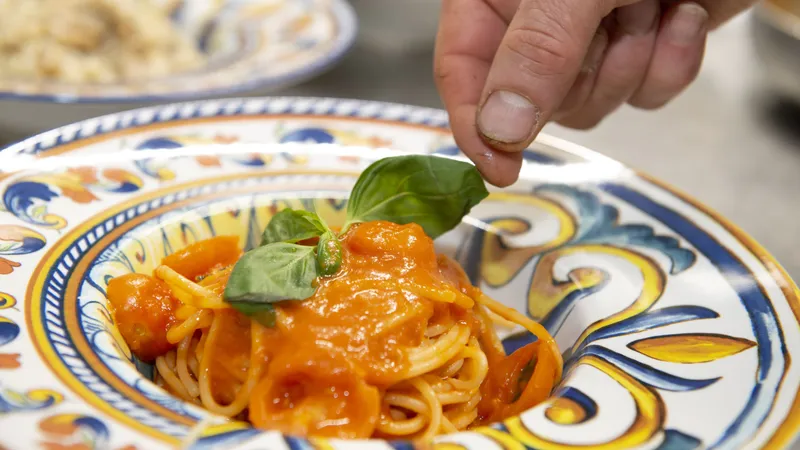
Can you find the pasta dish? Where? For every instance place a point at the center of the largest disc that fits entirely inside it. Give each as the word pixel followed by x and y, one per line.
pixel 386 338
pixel 91 41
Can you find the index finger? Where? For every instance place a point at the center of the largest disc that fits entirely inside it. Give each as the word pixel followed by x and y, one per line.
pixel 470 31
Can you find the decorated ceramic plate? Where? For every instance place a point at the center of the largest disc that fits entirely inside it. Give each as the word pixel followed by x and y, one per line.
pixel 676 329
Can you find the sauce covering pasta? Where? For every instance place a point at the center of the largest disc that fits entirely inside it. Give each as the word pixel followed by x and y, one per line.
pixel 397 344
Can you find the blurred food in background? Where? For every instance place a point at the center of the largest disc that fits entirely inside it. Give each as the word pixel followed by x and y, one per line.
pixel 100 41
pixel 66 60
pixel 776 32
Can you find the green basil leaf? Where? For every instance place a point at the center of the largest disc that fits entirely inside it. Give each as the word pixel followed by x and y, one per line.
pixel 329 254
pixel 292 225
pixel 432 191
pixel 263 313
pixel 272 273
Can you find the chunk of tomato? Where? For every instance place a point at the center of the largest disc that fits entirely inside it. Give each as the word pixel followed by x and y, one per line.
pixel 202 257
pixel 144 310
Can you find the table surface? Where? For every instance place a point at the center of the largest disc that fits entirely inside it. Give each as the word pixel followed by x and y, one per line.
pixel 726 140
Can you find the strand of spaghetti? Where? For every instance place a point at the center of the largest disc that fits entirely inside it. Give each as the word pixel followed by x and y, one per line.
pixel 462 419
pixel 434 407
pixel 488 334
pixel 194 364
pixel 478 368
pixel 438 354
pixel 185 311
pixel 182 367
pixel 201 319
pixel 453 368
pixel 498 320
pixel 242 398
pixel 404 426
pixel 440 295
pixel 201 346
pixel 201 296
pixel 436 330
pixel 455 334
pixel 534 327
pixel 406 401
pixel 469 405
pixel 171 379
pixel 454 397
pixel 219 277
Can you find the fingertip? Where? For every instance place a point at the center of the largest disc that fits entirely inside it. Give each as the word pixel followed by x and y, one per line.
pixel 498 167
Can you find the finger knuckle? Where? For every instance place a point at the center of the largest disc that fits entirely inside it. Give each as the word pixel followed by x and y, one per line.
pixel 544 48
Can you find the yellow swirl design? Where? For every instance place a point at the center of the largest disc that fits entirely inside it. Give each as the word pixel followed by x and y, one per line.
pixel 652 288
pixel 648 422
pixel 442 446
pixel 545 293
pixel 565 411
pixel 7 301
pixel 691 348
pixel 44 395
pixel 499 263
pixel 504 439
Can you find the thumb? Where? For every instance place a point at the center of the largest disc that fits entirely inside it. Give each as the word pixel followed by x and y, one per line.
pixel 537 62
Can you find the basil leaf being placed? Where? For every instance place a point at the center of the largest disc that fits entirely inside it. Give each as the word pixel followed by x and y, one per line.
pixel 329 254
pixel 292 225
pixel 434 192
pixel 270 274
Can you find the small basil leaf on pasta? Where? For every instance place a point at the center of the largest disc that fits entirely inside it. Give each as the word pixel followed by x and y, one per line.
pixel 292 225
pixel 263 313
pixel 431 191
pixel 329 254
pixel 272 273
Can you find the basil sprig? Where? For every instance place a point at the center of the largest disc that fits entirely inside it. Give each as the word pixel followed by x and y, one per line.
pixel 434 192
pixel 293 225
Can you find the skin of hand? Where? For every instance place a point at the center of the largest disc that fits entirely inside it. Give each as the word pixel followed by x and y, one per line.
pixel 504 68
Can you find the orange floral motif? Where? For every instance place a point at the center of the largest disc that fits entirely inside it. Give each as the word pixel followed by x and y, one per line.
pixel 75 432
pixel 377 142
pixel 9 361
pixel 7 266
pixel 207 160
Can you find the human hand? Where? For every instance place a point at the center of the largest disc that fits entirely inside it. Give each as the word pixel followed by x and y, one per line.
pixel 504 68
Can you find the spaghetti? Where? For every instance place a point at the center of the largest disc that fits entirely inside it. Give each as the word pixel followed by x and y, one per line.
pixel 397 344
